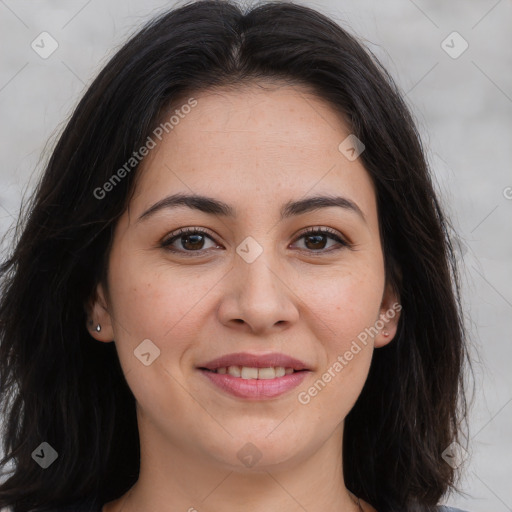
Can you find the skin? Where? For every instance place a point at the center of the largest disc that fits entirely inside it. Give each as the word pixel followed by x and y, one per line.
pixel 254 149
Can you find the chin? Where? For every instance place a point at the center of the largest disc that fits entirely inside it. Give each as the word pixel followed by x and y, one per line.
pixel 261 452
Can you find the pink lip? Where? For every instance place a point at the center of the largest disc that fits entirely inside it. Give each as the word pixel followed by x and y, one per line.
pixel 255 388
pixel 269 360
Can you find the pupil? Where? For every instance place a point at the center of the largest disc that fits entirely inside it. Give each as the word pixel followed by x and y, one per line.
pixel 317 237
pixel 194 243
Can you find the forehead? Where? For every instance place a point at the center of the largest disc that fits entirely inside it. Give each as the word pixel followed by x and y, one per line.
pixel 256 144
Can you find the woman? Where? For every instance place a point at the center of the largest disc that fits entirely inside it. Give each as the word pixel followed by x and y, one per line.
pixel 235 288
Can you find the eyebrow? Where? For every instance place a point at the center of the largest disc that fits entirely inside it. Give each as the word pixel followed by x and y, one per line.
pixel 213 206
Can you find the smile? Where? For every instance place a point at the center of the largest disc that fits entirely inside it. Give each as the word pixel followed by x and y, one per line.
pixel 247 372
pixel 254 383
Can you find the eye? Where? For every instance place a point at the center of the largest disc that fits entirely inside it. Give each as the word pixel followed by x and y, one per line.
pixel 192 240
pixel 317 237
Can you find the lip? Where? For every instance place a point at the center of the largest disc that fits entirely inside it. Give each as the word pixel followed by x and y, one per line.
pixel 266 360
pixel 256 389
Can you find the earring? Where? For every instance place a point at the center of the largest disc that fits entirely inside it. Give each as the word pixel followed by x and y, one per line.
pixel 385 334
pixel 98 328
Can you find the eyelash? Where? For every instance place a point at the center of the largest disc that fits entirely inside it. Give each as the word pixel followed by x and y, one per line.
pixel 166 243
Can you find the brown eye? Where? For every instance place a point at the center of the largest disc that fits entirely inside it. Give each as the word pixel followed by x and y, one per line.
pixel 189 240
pixel 316 239
pixel 193 241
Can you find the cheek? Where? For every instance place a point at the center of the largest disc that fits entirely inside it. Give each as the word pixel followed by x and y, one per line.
pixel 346 303
pixel 349 314
pixel 334 392
pixel 161 306
pixel 344 311
pixel 157 303
pixel 149 298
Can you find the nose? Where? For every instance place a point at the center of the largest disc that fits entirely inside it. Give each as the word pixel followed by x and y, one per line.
pixel 260 298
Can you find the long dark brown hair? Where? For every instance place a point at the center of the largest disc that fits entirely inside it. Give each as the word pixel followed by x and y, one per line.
pixel 59 386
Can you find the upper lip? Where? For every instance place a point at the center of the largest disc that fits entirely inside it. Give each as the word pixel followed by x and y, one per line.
pixel 273 359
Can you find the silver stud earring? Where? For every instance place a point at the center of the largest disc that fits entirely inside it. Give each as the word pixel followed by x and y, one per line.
pixel 385 334
pixel 98 328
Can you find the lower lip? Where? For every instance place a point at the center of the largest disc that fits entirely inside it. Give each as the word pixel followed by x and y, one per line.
pixel 255 388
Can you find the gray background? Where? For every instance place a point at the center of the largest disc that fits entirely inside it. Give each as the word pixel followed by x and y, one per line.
pixel 463 107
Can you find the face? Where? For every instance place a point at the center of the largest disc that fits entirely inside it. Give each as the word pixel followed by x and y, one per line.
pixel 253 281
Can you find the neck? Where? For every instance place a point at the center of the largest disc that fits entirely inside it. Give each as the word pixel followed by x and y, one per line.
pixel 174 476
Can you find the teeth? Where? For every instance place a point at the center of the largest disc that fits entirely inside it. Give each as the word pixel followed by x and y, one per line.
pixel 280 371
pixel 246 372
pixel 250 373
pixel 268 373
pixel 234 371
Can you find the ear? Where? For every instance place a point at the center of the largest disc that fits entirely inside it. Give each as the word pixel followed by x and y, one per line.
pixel 97 313
pixel 388 316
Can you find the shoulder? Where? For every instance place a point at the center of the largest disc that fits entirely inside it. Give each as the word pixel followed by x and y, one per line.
pixel 445 508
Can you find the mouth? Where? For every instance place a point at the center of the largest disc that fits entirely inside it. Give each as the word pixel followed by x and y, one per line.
pixel 249 373
pixel 248 365
pixel 254 376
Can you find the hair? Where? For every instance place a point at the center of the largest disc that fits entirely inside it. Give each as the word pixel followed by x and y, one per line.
pixel 58 385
